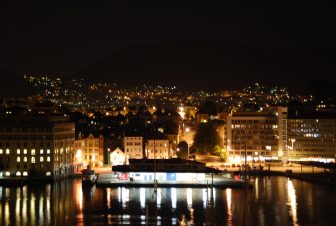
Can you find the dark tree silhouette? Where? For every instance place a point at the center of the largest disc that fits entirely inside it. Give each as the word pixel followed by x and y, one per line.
pixel 206 138
pixel 182 150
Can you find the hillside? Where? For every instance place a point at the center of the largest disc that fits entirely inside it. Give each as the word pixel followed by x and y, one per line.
pixel 213 65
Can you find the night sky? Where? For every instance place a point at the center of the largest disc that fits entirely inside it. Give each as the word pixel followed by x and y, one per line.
pixel 207 45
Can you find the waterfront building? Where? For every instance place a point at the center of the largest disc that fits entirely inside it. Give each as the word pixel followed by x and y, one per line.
pixel 90 151
pixel 36 146
pixel 258 135
pixel 311 134
pixel 158 148
pixel 133 146
pixel 166 170
pixel 117 157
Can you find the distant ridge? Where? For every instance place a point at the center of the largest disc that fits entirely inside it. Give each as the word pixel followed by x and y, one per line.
pixel 213 65
pixel 13 85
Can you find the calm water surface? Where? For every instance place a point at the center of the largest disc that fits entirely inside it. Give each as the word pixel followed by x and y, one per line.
pixel 273 201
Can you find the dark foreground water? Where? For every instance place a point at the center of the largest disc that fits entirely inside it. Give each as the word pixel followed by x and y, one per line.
pixel 273 201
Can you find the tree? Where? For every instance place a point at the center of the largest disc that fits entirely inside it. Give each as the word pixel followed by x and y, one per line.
pixel 182 151
pixel 206 138
pixel 221 153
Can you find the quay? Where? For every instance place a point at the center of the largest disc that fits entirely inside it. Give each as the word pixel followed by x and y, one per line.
pixel 218 181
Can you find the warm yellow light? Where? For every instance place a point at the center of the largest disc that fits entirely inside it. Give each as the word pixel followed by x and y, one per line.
pixel 78 155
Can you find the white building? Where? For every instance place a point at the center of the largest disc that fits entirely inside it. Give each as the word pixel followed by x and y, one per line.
pixel 117 157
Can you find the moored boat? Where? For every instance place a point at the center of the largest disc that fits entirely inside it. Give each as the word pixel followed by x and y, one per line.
pixel 89 177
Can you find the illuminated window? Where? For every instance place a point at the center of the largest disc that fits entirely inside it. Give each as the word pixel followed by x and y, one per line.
pixel 48 159
pixel 48 173
pixel 48 151
pixel 7 151
pixel 18 159
pixel 41 151
pixel 25 159
pixel 18 173
pixel 25 151
pixel 32 151
pixel 25 174
pixel 18 151
pixel 41 159
pixel 1 151
pixel 7 173
pixel 33 159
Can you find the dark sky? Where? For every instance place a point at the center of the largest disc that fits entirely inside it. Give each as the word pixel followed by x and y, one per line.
pixel 68 37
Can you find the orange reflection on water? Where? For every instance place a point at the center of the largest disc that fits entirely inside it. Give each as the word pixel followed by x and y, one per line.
pixel 292 202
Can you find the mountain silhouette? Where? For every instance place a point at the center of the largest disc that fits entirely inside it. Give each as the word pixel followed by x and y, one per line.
pixel 13 85
pixel 203 65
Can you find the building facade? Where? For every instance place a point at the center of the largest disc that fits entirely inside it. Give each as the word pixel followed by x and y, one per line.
pixel 158 149
pixel 117 157
pixel 36 146
pixel 257 135
pixel 90 151
pixel 312 136
pixel 133 146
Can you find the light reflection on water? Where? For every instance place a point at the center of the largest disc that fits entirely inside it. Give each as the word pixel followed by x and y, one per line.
pixel 273 201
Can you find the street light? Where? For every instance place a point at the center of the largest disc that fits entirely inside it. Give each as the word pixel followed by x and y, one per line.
pixel 292 140
pixel 187 130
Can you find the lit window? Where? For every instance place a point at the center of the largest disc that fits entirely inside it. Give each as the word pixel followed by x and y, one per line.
pixel 7 151
pixel 25 151
pixel 41 151
pixel 25 174
pixel 25 159
pixel 7 173
pixel 18 173
pixel 18 151
pixel 48 151
pixel 32 151
pixel 18 159
pixel 1 151
pixel 48 159
pixel 48 173
pixel 41 159
pixel 33 159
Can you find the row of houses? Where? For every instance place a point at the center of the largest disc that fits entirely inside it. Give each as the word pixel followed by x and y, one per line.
pixel 90 150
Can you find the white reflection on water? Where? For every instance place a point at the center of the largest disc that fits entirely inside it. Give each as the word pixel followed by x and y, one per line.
pixel 119 194
pixel 189 197
pixel 158 197
pixel 229 205
pixel 173 197
pixel 142 197
pixel 125 196
pixel 205 197
pixel 292 202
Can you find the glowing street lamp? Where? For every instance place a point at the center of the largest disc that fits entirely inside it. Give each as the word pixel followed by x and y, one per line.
pixel 293 141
